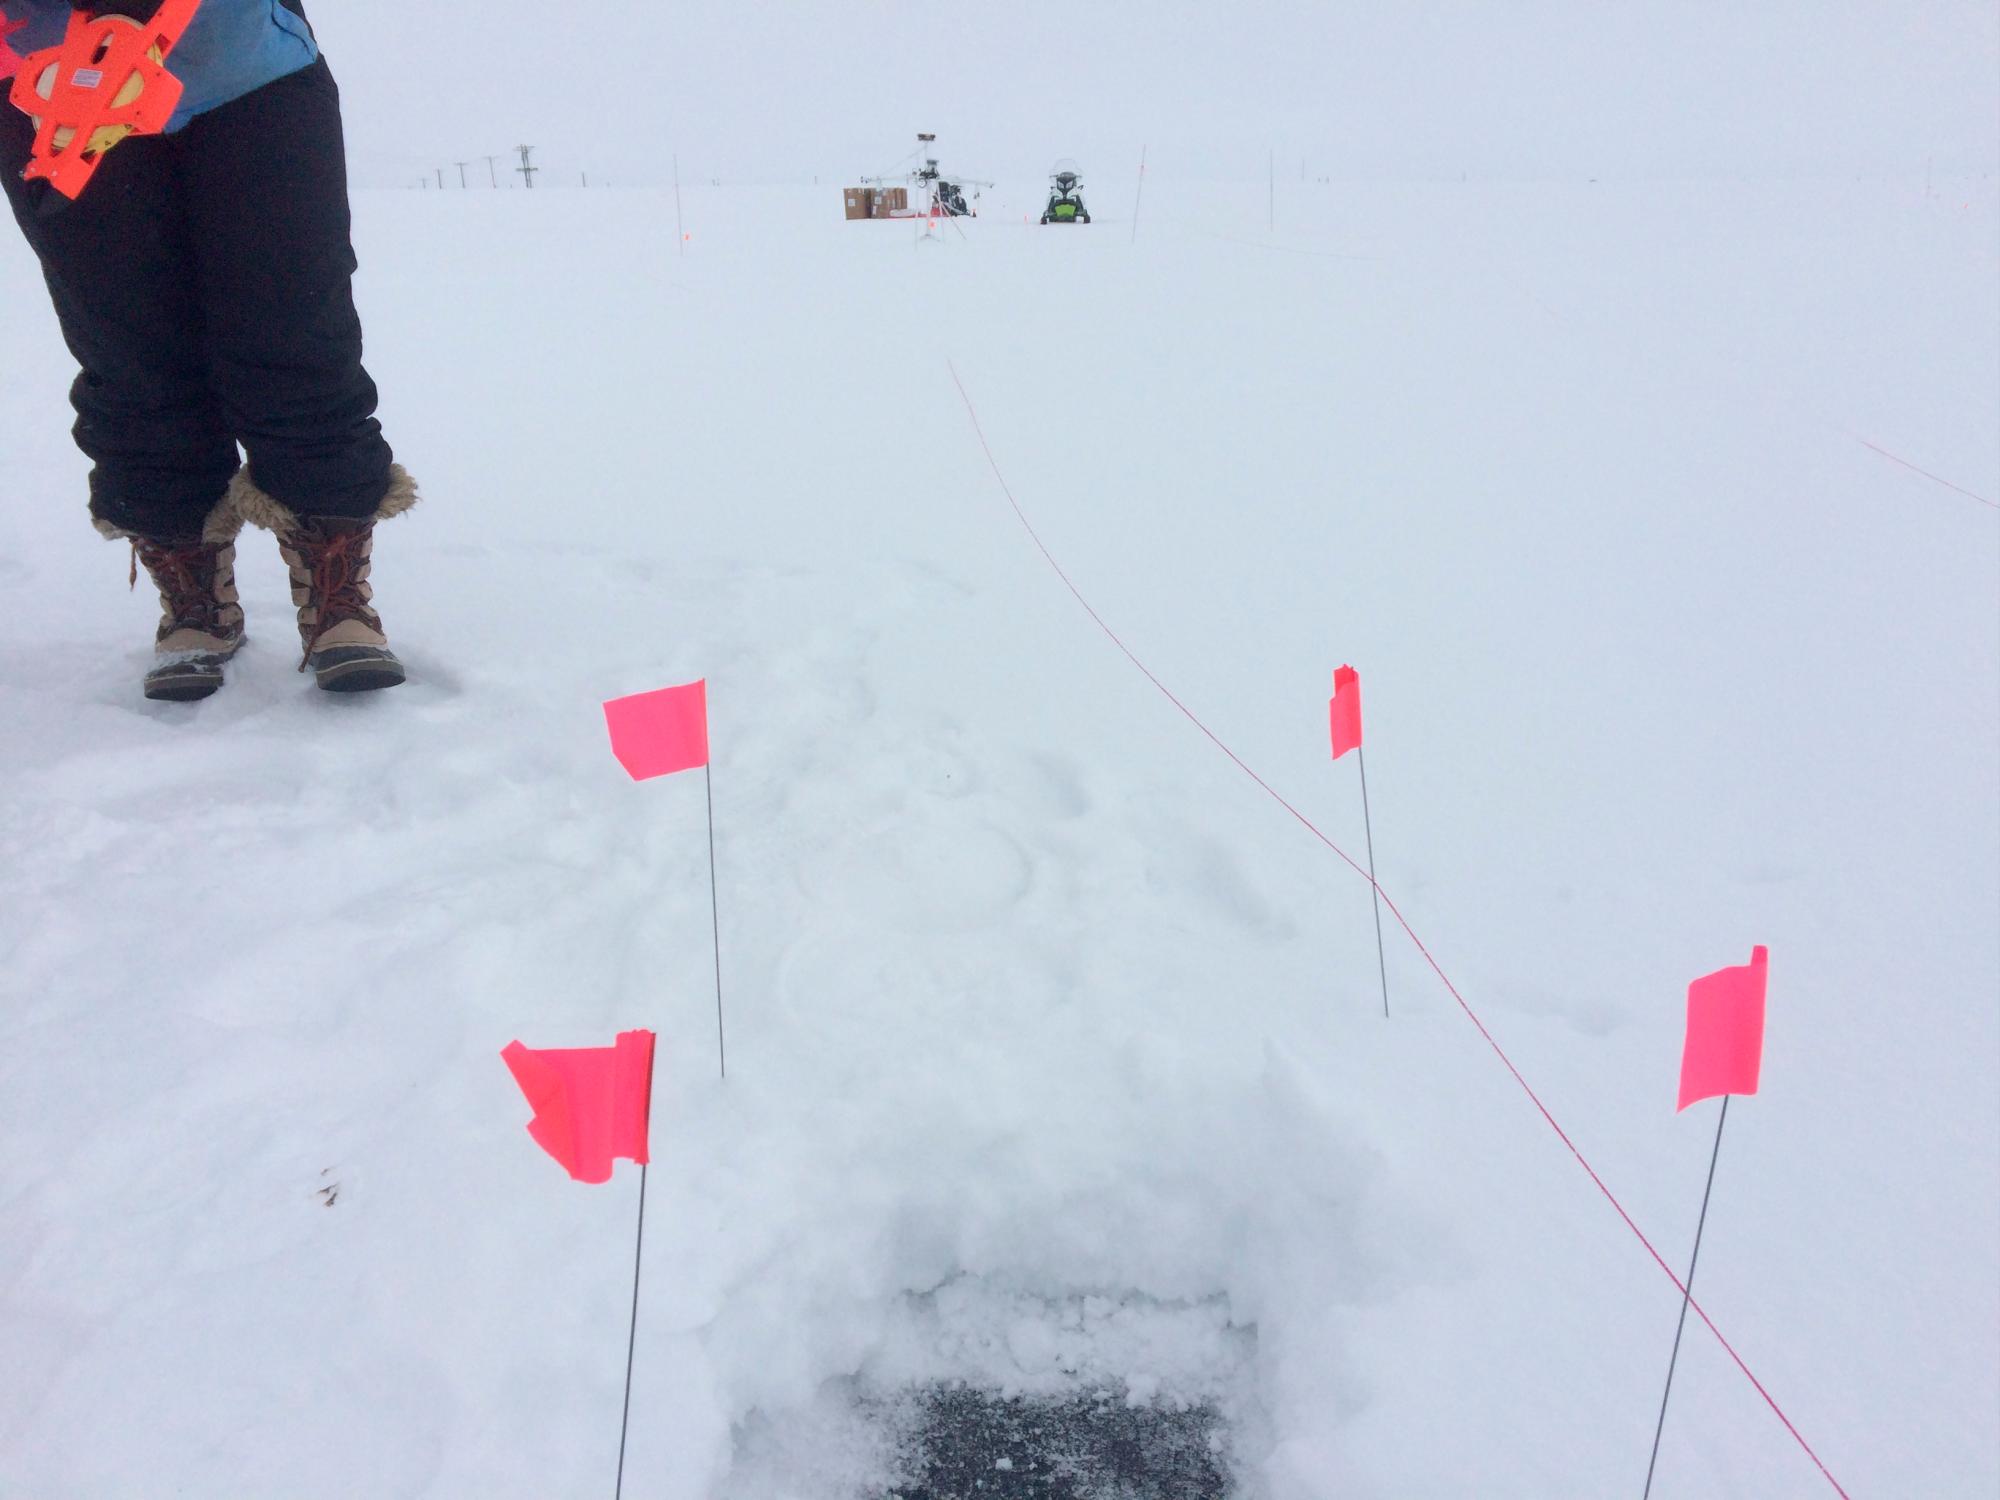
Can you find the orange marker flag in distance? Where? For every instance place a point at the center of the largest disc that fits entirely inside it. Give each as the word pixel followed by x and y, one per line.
pixel 1344 711
pixel 661 732
pixel 592 1104
pixel 1724 1050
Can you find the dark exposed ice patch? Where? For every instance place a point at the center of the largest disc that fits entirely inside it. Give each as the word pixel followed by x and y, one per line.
pixel 962 1443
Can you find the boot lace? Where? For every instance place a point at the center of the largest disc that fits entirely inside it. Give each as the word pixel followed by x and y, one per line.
pixel 185 576
pixel 333 558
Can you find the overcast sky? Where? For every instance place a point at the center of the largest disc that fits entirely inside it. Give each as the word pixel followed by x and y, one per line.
pixel 1400 88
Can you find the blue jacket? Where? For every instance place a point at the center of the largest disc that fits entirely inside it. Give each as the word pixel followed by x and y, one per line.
pixel 230 48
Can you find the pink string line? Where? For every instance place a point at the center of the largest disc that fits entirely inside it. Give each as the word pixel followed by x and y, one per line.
pixel 1935 479
pixel 1403 921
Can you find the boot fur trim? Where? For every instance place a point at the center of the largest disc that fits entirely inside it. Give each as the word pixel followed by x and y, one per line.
pixel 400 496
pixel 260 509
pixel 218 528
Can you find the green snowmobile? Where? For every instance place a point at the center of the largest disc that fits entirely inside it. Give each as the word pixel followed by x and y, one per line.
pixel 1065 197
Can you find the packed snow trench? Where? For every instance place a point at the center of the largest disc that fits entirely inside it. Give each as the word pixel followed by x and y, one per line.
pixel 1065 1149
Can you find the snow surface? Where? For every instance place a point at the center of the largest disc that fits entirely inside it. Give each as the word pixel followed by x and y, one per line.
pixel 1055 1048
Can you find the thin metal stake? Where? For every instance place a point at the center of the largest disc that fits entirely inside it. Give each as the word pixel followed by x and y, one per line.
pixel 1368 823
pixel 1136 197
pixel 715 919
pixel 632 1339
pixel 1687 1293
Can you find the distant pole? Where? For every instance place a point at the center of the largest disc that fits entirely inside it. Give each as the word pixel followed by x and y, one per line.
pixel 1139 195
pixel 1687 1294
pixel 461 172
pixel 679 232
pixel 586 179
pixel 440 171
pixel 527 169
pixel 495 176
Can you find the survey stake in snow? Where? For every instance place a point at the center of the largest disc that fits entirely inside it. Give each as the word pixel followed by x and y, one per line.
pixel 593 1105
pixel 1343 713
pixel 1722 1053
pixel 658 734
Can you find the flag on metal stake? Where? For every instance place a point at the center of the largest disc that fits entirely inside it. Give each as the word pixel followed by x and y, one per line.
pixel 1343 716
pixel 661 732
pixel 1723 1051
pixel 657 734
pixel 1344 711
pixel 592 1104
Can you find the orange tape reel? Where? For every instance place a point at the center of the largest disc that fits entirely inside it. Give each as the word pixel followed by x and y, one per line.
pixel 107 80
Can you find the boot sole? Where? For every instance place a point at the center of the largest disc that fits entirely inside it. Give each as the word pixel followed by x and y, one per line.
pixel 183 687
pixel 187 681
pixel 356 669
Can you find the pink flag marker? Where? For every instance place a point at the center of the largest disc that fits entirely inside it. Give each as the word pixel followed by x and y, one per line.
pixel 661 732
pixel 1343 716
pixel 1723 1054
pixel 1344 711
pixel 592 1104
pixel 657 734
pixel 1724 1049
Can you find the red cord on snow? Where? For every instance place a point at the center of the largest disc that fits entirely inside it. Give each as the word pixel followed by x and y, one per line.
pixel 1429 958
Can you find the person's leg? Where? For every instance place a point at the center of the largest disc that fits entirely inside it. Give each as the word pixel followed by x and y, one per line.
pixel 267 196
pixel 120 274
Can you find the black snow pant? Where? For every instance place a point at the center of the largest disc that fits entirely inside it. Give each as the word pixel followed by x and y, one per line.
pixel 203 283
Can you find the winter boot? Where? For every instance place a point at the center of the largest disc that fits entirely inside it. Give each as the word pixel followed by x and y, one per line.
pixel 201 622
pixel 329 562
